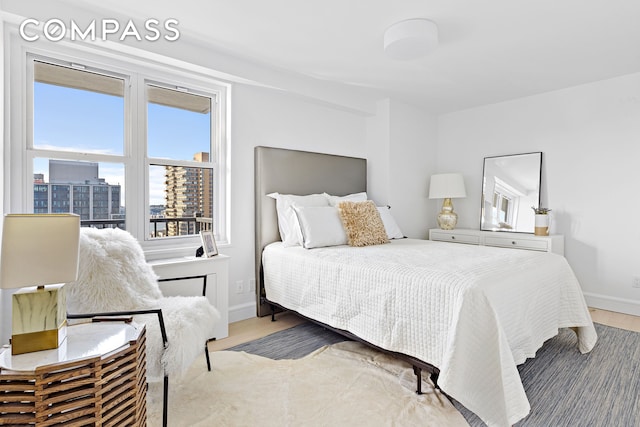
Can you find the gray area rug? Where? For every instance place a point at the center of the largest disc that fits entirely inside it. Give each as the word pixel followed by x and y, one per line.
pixel 564 387
pixel 292 343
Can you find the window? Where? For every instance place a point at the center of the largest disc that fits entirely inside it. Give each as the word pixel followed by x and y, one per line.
pixel 77 112
pixel 179 128
pixel 505 204
pixel 124 146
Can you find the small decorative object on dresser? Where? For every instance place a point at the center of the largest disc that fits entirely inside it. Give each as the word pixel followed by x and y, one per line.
pixel 447 186
pixel 541 221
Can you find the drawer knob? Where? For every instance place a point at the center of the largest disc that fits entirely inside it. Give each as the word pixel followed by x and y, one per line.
pixel 453 237
pixel 513 242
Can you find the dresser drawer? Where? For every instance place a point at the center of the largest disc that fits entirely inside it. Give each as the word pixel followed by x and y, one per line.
pixel 553 243
pixel 455 237
pixel 518 243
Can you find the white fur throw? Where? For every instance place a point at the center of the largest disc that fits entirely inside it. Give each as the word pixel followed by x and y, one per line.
pixel 114 276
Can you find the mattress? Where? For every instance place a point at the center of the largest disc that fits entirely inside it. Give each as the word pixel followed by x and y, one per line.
pixel 475 312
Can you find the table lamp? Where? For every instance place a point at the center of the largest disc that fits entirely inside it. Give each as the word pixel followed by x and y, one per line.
pixel 39 250
pixel 447 186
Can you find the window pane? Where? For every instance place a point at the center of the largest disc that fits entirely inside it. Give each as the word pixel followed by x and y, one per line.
pixel 180 199
pixel 75 110
pixel 178 123
pixel 94 191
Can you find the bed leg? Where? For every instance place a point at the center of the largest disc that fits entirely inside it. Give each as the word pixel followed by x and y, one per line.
pixel 418 372
pixel 273 312
pixel 434 379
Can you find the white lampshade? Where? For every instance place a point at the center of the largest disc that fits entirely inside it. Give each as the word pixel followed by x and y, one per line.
pixel 447 186
pixel 39 249
pixel 410 39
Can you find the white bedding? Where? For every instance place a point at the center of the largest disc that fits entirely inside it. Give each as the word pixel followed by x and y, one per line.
pixel 475 312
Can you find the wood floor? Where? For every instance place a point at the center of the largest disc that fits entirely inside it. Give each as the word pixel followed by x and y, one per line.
pixel 254 328
pixel 617 320
pixel 257 327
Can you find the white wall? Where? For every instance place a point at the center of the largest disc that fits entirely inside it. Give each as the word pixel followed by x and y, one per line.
pixel 401 147
pixel 413 141
pixel 379 153
pixel 590 139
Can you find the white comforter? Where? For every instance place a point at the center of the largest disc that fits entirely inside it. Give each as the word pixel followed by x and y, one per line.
pixel 474 312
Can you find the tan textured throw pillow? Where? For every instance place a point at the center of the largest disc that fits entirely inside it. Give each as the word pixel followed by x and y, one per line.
pixel 362 223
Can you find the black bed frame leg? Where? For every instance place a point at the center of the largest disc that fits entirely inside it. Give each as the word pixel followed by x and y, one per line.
pixel 273 312
pixel 418 372
pixel 434 379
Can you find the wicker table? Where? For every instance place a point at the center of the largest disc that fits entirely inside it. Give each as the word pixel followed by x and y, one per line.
pixel 96 377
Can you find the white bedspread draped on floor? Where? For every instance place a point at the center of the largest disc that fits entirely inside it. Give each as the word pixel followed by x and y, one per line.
pixel 474 312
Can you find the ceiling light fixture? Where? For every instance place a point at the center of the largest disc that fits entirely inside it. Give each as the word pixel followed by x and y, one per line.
pixel 411 39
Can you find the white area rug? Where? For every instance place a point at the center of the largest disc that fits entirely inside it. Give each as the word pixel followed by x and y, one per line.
pixel 346 384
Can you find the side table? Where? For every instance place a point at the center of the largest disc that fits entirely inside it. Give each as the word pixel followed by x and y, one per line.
pixel 96 377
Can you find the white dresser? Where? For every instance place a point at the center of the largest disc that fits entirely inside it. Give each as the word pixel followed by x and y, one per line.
pixel 553 243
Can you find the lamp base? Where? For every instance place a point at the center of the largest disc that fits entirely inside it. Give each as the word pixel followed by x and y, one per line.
pixel 39 319
pixel 38 341
pixel 447 218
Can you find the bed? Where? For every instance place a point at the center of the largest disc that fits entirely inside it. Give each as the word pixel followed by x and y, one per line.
pixel 468 314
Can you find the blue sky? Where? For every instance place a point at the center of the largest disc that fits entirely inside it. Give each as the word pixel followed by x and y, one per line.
pixel 78 120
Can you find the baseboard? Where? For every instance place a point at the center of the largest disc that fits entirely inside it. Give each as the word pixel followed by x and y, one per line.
pixel 619 305
pixel 242 312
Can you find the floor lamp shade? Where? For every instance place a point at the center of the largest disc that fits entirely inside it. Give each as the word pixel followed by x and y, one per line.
pixel 39 250
pixel 447 186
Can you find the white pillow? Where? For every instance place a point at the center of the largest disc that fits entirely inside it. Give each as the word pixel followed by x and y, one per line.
pixel 355 197
pixel 287 220
pixel 390 225
pixel 320 226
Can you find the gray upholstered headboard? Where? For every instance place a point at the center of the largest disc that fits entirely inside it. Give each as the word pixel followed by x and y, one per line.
pixel 296 172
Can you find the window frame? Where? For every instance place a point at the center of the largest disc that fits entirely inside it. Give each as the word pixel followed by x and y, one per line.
pixel 137 73
pixel 213 162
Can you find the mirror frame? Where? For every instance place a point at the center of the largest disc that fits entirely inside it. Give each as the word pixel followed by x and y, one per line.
pixel 537 200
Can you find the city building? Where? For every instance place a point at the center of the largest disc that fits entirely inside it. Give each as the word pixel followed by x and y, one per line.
pixel 77 188
pixel 188 194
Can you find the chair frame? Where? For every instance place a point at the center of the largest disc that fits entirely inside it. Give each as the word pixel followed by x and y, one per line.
pixel 163 332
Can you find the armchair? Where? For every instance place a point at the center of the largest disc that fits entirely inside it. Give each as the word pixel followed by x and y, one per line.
pixel 114 279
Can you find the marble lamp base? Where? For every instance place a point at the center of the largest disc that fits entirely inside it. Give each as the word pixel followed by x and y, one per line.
pixel 39 319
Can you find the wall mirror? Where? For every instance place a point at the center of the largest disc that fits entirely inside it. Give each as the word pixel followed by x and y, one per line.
pixel 510 187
